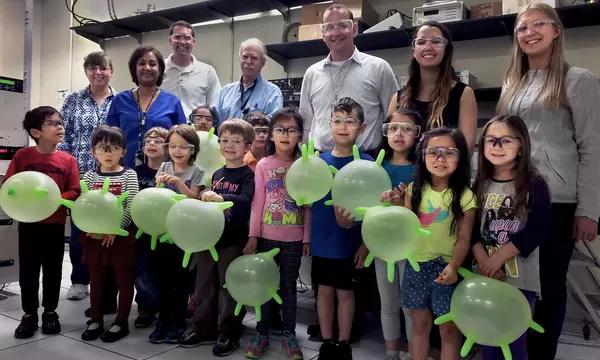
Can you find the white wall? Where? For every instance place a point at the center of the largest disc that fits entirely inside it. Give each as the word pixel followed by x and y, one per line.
pixel 486 58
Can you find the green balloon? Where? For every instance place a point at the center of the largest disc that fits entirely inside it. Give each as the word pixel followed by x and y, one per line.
pixel 489 312
pixel 309 179
pixel 253 280
pixel 391 233
pixel 98 211
pixel 30 196
pixel 196 226
pixel 360 184
pixel 149 209
pixel 209 157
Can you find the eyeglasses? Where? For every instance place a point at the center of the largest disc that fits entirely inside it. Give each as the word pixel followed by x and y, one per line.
pixel 535 26
pixel 233 141
pixel 436 42
pixel 180 147
pixel 107 148
pixel 94 68
pixel 279 131
pixel 402 128
pixel 342 26
pixel 260 130
pixel 185 38
pixel 54 123
pixel 196 118
pixel 449 154
pixel 154 140
pixel 504 141
pixel 349 122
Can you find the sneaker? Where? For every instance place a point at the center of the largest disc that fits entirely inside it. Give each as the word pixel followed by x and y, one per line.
pixel 405 356
pixel 225 347
pixel 27 327
pixel 174 334
pixel 117 331
pixel 142 322
pixel 194 338
pixel 291 347
pixel 93 331
pixel 344 351
pixel 158 335
pixel 50 323
pixel 327 350
pixel 257 347
pixel 77 292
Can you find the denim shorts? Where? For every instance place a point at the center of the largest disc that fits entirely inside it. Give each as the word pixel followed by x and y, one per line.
pixel 421 292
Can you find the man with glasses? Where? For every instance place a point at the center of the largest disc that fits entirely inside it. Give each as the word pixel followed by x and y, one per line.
pixel 251 92
pixel 192 81
pixel 345 72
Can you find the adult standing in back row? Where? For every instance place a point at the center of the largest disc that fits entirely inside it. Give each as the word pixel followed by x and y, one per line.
pixel 252 93
pixel 193 82
pixel 561 106
pixel 345 72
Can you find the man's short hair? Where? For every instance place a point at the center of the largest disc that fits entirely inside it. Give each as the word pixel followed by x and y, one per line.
pixel 184 24
pixel 338 6
pixel 254 42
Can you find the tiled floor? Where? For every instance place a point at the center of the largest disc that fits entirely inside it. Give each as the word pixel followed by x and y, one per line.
pixel 68 345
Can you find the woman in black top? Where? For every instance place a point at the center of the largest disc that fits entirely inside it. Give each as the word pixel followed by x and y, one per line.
pixel 433 89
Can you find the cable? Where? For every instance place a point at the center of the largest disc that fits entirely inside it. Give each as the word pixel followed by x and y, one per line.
pixel 82 20
pixel 111 9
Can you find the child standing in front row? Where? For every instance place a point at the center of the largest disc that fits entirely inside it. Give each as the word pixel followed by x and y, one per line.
pixel 146 295
pixel 182 176
pixel 42 243
pixel 515 201
pixel 336 240
pixel 277 222
pixel 214 320
pixel 441 197
pixel 101 251
pixel 401 132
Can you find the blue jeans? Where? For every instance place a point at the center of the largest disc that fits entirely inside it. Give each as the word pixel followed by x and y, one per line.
pixel 145 280
pixel 80 273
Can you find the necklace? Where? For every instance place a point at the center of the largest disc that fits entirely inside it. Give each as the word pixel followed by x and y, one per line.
pixel 336 92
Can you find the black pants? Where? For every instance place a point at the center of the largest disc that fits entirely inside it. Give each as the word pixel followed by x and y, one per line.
pixel 172 283
pixel 555 255
pixel 41 247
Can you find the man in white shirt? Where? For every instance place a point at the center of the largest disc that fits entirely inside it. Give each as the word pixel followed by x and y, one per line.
pixel 193 82
pixel 345 72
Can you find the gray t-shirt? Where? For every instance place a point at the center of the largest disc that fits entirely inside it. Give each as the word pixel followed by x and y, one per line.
pixel 499 220
pixel 193 176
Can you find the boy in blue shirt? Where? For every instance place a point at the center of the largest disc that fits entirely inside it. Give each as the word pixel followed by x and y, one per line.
pixel 336 240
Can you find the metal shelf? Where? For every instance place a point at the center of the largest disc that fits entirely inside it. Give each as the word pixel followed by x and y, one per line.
pixel 203 10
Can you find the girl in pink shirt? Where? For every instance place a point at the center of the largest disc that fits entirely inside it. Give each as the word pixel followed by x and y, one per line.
pixel 277 222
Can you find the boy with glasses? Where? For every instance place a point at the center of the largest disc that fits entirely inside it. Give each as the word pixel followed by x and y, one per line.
pixel 336 241
pixel 41 244
pixel 214 320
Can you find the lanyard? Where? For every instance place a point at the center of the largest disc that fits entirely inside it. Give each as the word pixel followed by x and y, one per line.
pixel 243 102
pixel 142 117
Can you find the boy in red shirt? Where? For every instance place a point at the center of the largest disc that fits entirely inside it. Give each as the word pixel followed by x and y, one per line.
pixel 41 244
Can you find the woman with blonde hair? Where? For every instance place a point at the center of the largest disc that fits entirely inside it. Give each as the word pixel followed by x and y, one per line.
pixel 561 106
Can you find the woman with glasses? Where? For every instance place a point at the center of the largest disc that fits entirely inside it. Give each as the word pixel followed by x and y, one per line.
pixel 203 118
pixel 138 110
pixel 561 106
pixel 433 90
pixel 82 112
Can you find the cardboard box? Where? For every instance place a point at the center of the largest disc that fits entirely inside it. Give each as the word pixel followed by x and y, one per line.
pixel 514 6
pixel 309 32
pixel 486 10
pixel 361 9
